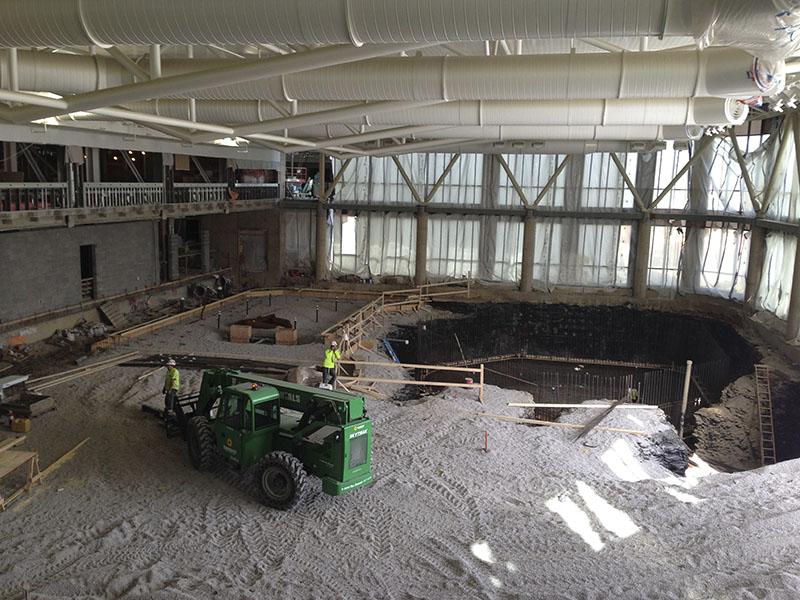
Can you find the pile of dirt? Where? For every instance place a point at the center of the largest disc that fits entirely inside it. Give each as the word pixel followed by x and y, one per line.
pixel 728 433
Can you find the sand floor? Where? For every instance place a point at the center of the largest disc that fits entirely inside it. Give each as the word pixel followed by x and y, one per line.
pixel 538 516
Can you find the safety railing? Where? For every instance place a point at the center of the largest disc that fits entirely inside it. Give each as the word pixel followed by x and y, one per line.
pixel 104 195
pixel 40 196
pixel 33 196
pixel 201 192
pixel 257 191
pixel 352 329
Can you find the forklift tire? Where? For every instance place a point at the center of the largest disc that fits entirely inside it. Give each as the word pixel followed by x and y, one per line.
pixel 283 480
pixel 200 440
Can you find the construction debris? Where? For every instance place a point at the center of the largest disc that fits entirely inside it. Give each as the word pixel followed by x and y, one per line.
pixel 66 376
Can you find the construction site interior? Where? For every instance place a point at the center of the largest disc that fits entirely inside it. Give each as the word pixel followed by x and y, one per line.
pixel 400 299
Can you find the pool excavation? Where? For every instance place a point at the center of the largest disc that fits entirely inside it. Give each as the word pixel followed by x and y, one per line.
pixel 568 355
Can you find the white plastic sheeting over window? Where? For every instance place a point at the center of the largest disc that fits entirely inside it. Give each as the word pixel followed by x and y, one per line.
pixel 462 185
pixel 776 278
pixel 453 247
pixel 573 252
pixel 299 235
pixel 603 184
pixel 374 245
pixel 532 172
pixel 703 260
pixel 668 164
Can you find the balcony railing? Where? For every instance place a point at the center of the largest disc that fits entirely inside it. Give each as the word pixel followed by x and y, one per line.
pixel 41 196
pixel 103 195
pixel 201 192
pixel 33 196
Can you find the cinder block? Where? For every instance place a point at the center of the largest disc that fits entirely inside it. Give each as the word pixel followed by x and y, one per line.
pixel 285 336
pixel 240 334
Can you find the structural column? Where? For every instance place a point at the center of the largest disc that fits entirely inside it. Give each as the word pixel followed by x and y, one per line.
pixel 793 319
pixel 321 271
pixel 421 262
pixel 755 263
pixel 642 261
pixel 174 254
pixel 528 236
pixel 321 264
pixel 205 250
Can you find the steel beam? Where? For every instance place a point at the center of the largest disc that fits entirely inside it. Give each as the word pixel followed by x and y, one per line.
pixel 408 181
pixel 517 187
pixel 698 153
pixel 552 181
pixel 748 181
pixel 442 177
pixel 621 168
pixel 239 72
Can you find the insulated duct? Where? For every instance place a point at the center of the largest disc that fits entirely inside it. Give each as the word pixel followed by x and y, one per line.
pixel 669 74
pixel 661 111
pixel 762 27
pixel 550 147
pixel 342 135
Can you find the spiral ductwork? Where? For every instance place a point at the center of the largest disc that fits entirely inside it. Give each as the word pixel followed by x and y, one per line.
pixel 760 27
pixel 673 74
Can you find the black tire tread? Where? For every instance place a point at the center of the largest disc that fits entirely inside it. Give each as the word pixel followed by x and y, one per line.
pixel 199 429
pixel 294 467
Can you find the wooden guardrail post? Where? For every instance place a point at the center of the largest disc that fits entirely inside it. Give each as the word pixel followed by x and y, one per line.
pixel 480 394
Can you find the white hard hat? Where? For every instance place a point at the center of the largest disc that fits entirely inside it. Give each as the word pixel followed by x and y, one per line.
pixel 334 344
pixel 171 362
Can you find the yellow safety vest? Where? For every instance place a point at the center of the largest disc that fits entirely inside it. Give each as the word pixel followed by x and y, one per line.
pixel 331 356
pixel 173 381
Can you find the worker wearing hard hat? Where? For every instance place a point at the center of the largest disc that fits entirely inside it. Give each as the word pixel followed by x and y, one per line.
pixel 332 356
pixel 172 385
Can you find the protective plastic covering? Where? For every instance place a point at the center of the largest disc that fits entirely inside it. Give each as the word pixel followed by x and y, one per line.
pixel 776 279
pixel 572 253
pixel 765 28
pixel 299 231
pixel 576 252
pixel 374 245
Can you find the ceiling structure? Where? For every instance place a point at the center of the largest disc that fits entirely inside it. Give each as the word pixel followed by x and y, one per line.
pixel 377 77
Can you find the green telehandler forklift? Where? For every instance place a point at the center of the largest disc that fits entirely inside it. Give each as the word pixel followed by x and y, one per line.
pixel 283 430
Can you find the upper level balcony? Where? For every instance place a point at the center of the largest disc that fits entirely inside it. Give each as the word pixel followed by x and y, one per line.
pixel 36 205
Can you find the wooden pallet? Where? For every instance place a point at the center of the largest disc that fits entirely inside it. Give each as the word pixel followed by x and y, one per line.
pixel 764 399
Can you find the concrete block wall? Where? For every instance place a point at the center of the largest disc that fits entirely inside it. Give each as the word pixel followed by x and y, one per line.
pixel 227 250
pixel 40 270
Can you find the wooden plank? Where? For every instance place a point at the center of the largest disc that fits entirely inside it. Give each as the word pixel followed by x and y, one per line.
pixel 412 382
pixel 535 405
pixel 112 313
pixel 595 421
pixel 105 361
pixel 64 458
pixel 7 443
pixel 11 460
pixel 554 423
pixel 409 366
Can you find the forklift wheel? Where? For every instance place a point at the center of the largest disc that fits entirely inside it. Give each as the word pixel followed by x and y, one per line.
pixel 283 480
pixel 200 440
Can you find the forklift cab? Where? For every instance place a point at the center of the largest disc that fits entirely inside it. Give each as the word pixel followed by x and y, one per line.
pixel 246 423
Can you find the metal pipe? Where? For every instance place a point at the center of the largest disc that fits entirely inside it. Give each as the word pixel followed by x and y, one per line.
pixel 241 71
pixel 685 397
pixel 155 61
pixel 13 69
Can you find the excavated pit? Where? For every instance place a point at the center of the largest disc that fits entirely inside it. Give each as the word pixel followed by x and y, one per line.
pixel 570 354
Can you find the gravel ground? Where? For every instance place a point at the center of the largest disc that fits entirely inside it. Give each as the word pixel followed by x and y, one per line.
pixel 538 516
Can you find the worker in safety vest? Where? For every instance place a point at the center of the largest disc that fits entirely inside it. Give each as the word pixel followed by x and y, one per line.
pixel 172 385
pixel 332 356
